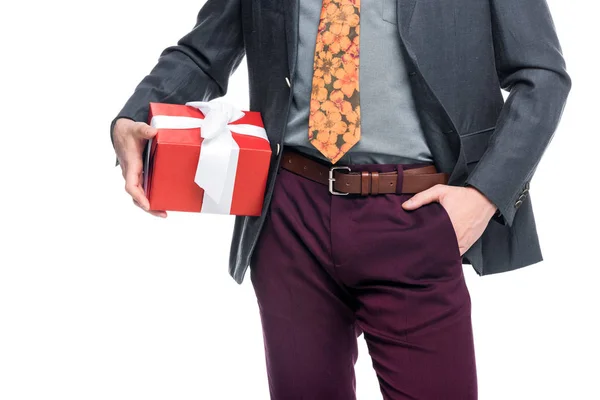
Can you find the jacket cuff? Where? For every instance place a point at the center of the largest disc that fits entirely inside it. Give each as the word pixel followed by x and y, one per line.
pixel 501 197
pixel 498 215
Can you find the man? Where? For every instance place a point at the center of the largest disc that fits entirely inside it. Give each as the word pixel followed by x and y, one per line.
pixel 397 102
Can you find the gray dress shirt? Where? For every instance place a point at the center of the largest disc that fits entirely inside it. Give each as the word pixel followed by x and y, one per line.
pixel 391 132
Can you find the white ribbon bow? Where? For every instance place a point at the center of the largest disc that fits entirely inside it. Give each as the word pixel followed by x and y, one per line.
pixel 217 164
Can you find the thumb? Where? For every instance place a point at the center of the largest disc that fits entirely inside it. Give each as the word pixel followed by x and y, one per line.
pixel 430 195
pixel 144 131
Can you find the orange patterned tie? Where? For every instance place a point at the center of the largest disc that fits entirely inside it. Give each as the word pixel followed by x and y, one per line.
pixel 334 121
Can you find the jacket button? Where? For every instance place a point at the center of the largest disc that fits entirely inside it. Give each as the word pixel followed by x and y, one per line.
pixel 278 148
pixel 287 80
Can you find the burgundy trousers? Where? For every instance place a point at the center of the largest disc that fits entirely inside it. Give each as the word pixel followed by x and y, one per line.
pixel 329 268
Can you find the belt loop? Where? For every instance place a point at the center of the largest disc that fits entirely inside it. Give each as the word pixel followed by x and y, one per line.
pixel 375 183
pixel 365 183
pixel 400 179
pixel 285 157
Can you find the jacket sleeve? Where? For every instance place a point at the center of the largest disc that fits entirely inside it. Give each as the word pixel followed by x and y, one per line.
pixel 198 67
pixel 531 67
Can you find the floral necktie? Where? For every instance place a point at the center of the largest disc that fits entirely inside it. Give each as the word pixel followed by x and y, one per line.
pixel 334 121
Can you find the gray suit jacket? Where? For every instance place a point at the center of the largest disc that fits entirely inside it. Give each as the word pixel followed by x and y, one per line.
pixel 460 54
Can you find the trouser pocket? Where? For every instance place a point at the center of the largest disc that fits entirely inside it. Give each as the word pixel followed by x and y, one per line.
pixel 449 231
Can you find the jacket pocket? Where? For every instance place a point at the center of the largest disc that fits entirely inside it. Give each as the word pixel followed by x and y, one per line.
pixel 475 143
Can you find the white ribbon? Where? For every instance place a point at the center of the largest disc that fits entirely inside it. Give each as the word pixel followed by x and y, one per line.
pixel 217 165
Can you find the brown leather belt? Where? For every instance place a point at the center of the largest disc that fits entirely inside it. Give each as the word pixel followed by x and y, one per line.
pixel 341 180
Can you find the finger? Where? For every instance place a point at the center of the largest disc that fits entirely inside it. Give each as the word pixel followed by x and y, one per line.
pixel 144 131
pixel 160 214
pixel 156 213
pixel 124 168
pixel 131 161
pixel 134 188
pixel 430 195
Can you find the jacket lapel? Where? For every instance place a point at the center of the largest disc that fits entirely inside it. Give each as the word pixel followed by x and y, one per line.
pixel 291 34
pixel 406 9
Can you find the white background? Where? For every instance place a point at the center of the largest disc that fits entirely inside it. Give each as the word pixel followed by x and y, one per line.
pixel 98 300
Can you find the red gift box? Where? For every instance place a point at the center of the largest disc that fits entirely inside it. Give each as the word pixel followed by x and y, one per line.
pixel 206 157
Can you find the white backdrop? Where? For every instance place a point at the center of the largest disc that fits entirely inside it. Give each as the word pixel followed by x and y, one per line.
pixel 99 300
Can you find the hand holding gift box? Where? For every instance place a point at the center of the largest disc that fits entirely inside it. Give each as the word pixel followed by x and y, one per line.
pixel 207 157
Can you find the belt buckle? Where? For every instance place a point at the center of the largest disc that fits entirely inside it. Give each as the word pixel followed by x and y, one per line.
pixel 332 179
